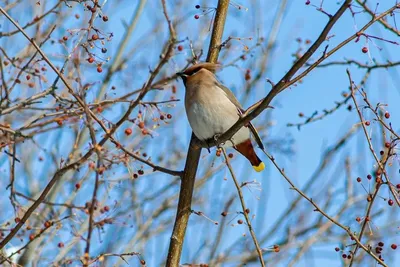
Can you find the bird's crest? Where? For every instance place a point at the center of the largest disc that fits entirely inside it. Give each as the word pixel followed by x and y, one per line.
pixel 204 65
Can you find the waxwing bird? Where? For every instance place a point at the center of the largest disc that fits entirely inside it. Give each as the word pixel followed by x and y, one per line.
pixel 212 109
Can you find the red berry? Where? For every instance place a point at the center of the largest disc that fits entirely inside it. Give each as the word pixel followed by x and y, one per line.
pixel 358 219
pixel 364 49
pixel 128 131
pixel 31 237
pixel 90 60
pixel 240 221
pixel 141 124
pixel 65 38
pixel 197 6
pixel 106 208
pixel 47 224
pixel 162 117
pixel 143 262
pixel 398 186
pixel 337 249
pixel 141 172
pixel 28 77
pixel 105 18
pixel 230 155
pixel 91 165
pixel 77 186
pixel 61 245
pixel 381 244
pixel 169 116
pixel 196 16
pixel 387 115
pixel 367 123
pixel 393 246
pixel 390 202
pixel 308 2
pixel 180 48
pixel 387 144
pixel 369 177
pixel 224 213
pixel 99 69
pixel 135 176
pixel 95 37
pixel 344 256
pixel 359 179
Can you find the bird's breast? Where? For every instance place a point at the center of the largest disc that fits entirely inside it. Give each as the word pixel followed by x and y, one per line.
pixel 210 112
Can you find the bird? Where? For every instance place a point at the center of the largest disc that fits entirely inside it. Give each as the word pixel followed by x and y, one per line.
pixel 212 109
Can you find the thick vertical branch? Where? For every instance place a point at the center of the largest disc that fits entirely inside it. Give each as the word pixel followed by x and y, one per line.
pixel 184 206
pixel 192 161
pixel 218 30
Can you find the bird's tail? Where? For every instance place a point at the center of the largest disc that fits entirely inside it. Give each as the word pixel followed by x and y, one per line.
pixel 246 149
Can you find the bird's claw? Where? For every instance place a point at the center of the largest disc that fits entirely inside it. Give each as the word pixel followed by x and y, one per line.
pixel 216 136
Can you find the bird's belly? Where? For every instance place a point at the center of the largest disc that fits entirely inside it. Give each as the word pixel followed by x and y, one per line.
pixel 208 121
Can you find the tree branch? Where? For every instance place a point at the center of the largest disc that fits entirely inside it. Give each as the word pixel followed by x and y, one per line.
pixel 193 156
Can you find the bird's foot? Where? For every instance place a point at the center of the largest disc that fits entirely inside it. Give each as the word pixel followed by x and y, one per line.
pixel 216 136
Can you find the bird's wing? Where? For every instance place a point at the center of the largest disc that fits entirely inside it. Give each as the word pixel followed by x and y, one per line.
pixel 256 136
pixel 233 99
pixel 229 94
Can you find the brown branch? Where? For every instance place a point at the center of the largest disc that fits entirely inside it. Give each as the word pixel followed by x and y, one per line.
pixel 59 74
pixel 381 21
pixel 103 255
pixel 52 223
pixel 359 64
pixel 245 210
pixel 318 209
pixel 167 53
pixel 287 80
pixel 33 22
pixel 184 205
pixel 381 164
pixel 193 155
pixel 86 256
pixel 70 206
pixel 147 162
pixel 327 112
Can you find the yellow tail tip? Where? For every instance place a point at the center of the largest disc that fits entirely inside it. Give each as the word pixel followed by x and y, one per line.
pixel 260 167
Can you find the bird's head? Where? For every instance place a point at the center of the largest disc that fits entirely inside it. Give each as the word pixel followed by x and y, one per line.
pixel 193 70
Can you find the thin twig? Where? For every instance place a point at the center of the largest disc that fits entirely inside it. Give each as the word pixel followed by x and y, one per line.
pixel 245 210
